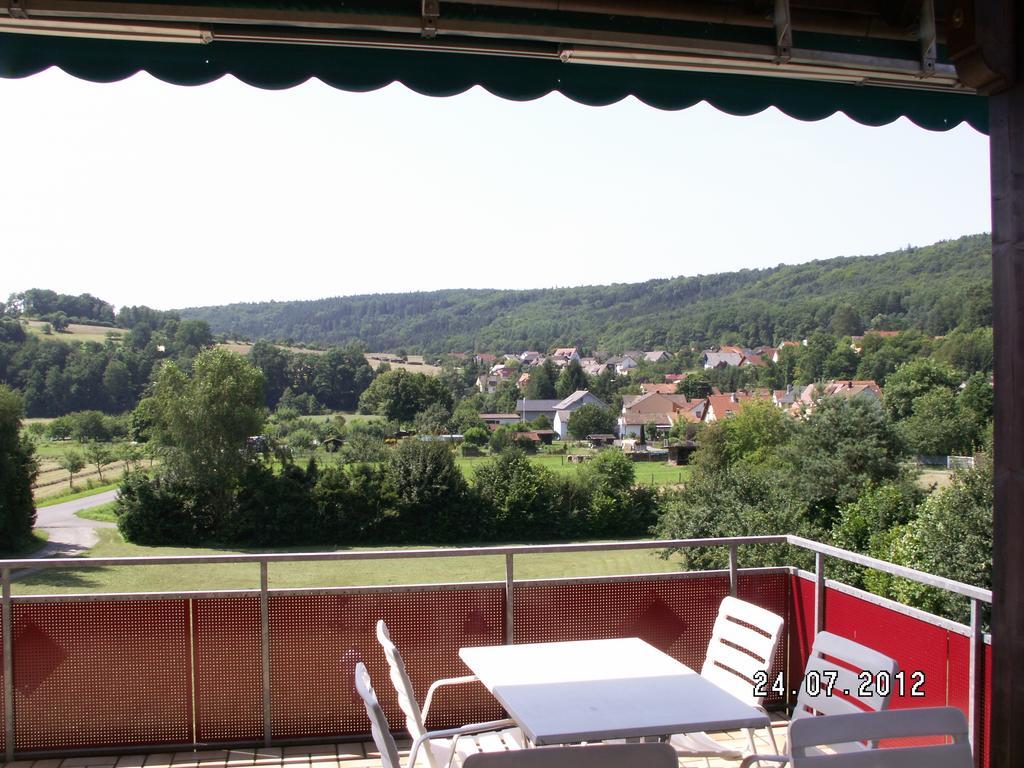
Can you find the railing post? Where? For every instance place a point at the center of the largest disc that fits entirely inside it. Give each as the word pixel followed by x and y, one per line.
pixel 510 610
pixel 265 648
pixel 733 575
pixel 819 592
pixel 8 667
pixel 976 683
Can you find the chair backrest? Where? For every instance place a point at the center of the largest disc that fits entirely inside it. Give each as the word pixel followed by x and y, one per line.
pixel 842 678
pixel 811 732
pixel 403 687
pixel 743 642
pixel 594 756
pixel 378 722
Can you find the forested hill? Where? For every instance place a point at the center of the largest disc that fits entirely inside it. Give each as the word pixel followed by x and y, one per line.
pixel 934 288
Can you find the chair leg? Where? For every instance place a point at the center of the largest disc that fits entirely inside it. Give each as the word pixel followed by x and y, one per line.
pixel 750 741
pixel 771 735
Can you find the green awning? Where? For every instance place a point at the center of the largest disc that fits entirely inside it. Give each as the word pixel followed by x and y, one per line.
pixel 515 53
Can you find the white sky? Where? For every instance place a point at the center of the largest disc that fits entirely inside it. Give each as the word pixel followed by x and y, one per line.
pixel 146 193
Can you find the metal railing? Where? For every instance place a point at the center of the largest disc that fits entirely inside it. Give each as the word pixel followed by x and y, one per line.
pixel 976 595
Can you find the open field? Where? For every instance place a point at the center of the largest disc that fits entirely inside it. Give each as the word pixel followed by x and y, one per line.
pixel 75 332
pixel 60 498
pixel 414 364
pixel 158 578
pixel 53 480
pixel 244 348
pixel 937 478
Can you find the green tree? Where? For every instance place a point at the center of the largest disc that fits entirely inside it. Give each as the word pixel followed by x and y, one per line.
pixel 520 498
pixel 432 420
pixel 694 387
pixel 940 426
pixel 571 379
pixel 591 419
pixel 477 436
pixel 71 462
pixel 847 444
pixel 399 395
pixel 18 471
pixel 744 500
pixel 100 456
pixel 951 536
pixel 913 379
pixel 202 422
pixel 754 435
pixel 846 321
pixel 541 385
pixel 430 492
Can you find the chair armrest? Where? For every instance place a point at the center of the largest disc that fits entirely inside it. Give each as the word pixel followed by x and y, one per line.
pixel 437 684
pixel 751 760
pixel 454 734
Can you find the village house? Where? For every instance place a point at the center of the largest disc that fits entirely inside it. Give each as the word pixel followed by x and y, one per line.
pixel 494 420
pixel 723 406
pixel 623 364
pixel 657 409
pixel 668 388
pixel 657 356
pixel 564 355
pixel 564 408
pixel 722 357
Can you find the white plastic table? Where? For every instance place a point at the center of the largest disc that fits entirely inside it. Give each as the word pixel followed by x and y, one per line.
pixel 593 690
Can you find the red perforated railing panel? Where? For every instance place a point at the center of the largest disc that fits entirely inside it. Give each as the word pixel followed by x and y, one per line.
pixel 228 669
pixel 101 674
pixel 771 592
pixel 317 640
pixel 984 742
pixel 801 631
pixel 916 645
pixel 676 615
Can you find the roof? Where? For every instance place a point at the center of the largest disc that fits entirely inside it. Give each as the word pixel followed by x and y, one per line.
pixel 564 352
pixel 669 388
pixel 536 405
pixel 634 419
pixel 499 416
pixel 573 399
pixel 724 405
pixel 715 359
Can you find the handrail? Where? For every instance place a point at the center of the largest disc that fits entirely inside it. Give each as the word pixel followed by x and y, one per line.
pixel 393 554
pixel 957 587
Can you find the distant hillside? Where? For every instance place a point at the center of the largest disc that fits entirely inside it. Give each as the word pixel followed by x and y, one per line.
pixel 934 288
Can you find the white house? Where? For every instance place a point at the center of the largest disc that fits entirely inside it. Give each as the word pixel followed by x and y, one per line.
pixel 563 410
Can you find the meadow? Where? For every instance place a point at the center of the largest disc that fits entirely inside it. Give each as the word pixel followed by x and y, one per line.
pixel 159 578
pixel 75 332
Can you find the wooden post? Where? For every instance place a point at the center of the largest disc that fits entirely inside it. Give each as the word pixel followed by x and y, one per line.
pixel 1006 117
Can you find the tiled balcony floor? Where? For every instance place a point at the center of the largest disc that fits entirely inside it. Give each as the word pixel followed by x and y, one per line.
pixel 352 755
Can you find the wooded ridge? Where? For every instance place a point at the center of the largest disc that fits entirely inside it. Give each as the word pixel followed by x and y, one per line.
pixel 934 289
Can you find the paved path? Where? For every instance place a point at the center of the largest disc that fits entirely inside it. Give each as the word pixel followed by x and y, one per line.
pixel 70 535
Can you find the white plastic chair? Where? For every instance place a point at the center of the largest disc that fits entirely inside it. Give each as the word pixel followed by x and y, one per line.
pixel 591 756
pixel 736 652
pixel 437 741
pixel 808 735
pixel 834 667
pixel 479 737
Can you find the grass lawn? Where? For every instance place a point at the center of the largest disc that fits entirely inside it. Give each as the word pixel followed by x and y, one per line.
pixel 104 513
pixel 158 578
pixel 647 473
pixel 61 498
pixel 76 332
